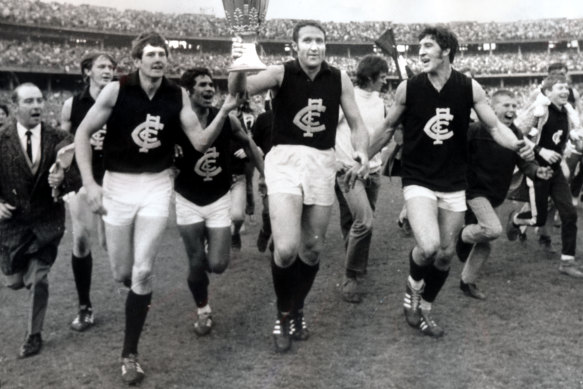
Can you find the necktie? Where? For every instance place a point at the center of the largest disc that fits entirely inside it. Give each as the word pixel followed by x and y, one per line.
pixel 29 145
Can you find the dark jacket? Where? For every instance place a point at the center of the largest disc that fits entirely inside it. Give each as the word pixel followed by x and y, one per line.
pixel 38 221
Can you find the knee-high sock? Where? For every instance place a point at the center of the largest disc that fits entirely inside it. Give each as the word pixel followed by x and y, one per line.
pixel 199 288
pixel 137 307
pixel 283 283
pixel 434 280
pixel 416 271
pixel 305 279
pixel 82 268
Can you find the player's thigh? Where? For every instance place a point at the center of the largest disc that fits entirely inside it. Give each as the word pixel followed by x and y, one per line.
pixel 120 247
pixel 450 224
pixel 148 234
pixel 219 248
pixel 82 218
pixel 422 214
pixel 193 238
pixel 285 211
pixel 315 220
pixel 238 198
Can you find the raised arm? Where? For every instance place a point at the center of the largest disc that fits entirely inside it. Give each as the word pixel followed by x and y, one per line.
pixel 499 131
pixel 383 134
pixel 271 78
pixel 202 138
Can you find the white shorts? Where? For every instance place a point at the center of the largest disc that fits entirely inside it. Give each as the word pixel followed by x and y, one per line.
pixel 303 171
pixel 127 195
pixel 214 215
pixel 450 201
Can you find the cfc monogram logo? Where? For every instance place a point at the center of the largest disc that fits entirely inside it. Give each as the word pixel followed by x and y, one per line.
pixel 97 138
pixel 307 119
pixel 146 134
pixel 437 127
pixel 206 166
pixel 557 137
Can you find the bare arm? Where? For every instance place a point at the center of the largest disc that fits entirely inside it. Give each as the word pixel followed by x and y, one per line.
pixel 270 78
pixel 498 130
pixel 66 115
pixel 251 149
pixel 95 119
pixel 382 135
pixel 578 105
pixel 201 139
pixel 359 134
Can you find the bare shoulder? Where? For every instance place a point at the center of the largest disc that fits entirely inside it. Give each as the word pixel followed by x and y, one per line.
pixel 478 93
pixel 109 94
pixel 401 93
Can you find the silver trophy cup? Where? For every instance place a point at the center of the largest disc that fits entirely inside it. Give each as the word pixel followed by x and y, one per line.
pixel 245 18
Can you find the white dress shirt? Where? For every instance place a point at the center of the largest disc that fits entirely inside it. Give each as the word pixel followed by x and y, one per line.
pixel 35 140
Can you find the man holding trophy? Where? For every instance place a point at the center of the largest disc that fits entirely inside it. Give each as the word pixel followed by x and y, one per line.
pixel 300 168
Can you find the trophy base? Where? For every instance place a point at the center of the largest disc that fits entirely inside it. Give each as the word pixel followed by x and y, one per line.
pixel 248 62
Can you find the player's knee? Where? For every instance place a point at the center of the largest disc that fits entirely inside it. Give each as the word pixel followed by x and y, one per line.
pixel 428 249
pixel 121 275
pixel 492 232
pixel 361 227
pixel 285 257
pixel 142 276
pixel 443 262
pixel 219 268
pixel 446 254
pixel 313 243
pixel 81 245
pixel 237 215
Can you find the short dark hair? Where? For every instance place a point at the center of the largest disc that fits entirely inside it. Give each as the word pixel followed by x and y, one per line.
pixel 503 92
pixel 4 108
pixel 444 37
pixel 147 38
pixel 14 95
pixel 188 78
pixel 88 60
pixel 369 68
pixel 552 80
pixel 557 66
pixel 305 23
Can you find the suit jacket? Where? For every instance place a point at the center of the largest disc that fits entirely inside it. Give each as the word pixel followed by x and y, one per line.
pixel 38 222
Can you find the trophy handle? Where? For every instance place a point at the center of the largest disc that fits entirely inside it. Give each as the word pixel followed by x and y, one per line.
pixel 249 61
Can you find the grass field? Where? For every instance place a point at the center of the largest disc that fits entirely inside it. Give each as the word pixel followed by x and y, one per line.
pixel 528 333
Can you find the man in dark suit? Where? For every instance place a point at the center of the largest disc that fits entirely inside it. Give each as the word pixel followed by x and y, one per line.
pixel 31 222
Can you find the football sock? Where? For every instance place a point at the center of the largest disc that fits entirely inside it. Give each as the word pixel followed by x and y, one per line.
pixel 137 307
pixel 306 274
pixel 434 280
pixel 283 283
pixel 417 272
pixel 82 267
pixel 199 288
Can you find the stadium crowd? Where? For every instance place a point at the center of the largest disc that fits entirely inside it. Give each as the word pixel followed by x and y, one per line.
pixel 64 57
pixel 189 25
